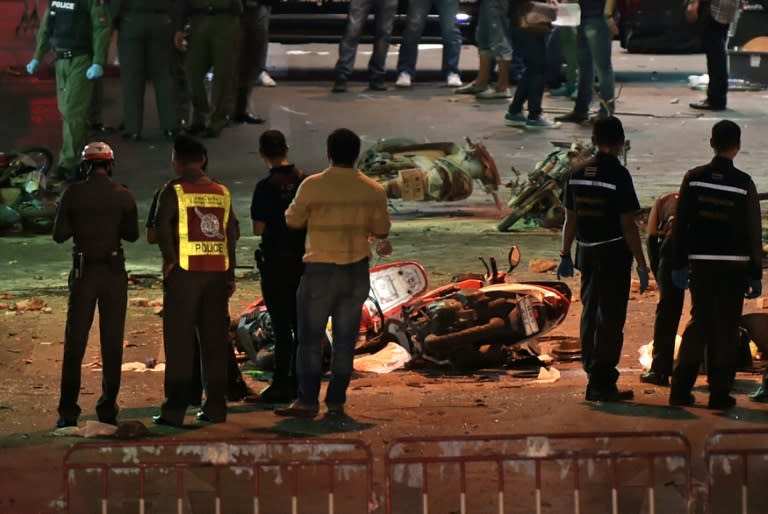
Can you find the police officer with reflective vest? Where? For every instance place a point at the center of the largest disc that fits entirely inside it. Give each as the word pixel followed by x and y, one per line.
pixel 196 231
pixel 145 31
pixel 210 42
pixel 79 32
pixel 98 277
pixel 601 206
pixel 670 304
pixel 718 253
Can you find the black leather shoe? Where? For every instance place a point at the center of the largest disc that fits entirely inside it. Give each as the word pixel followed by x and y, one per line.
pixel 248 119
pixel 761 395
pixel 205 418
pixel 655 378
pixel 704 105
pixel 159 420
pixel 572 117
pixel 340 86
pixel 681 400
pixel 131 136
pixel 608 395
pixel 721 402
pixel 239 391
pixel 377 85
pixel 66 422
pixel 109 421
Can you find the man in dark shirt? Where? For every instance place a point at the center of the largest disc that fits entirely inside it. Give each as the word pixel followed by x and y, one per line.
pixel 197 232
pixel 717 234
pixel 97 214
pixel 279 259
pixel 601 205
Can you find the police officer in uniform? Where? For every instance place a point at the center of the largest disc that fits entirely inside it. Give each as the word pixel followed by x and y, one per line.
pixel 718 251
pixel 98 276
pixel 670 304
pixel 252 58
pixel 145 33
pixel 196 231
pixel 601 205
pixel 279 259
pixel 78 31
pixel 211 41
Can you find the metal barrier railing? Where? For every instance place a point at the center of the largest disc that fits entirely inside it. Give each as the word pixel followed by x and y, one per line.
pixel 487 468
pixel 167 477
pixel 732 457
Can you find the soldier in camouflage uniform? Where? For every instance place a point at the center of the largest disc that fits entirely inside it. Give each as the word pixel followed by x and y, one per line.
pixel 78 31
pixel 214 29
pixel 145 35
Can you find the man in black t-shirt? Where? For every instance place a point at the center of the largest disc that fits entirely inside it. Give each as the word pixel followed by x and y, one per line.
pixel 279 259
pixel 601 205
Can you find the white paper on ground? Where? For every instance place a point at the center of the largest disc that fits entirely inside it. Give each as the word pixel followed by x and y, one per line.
pixel 391 357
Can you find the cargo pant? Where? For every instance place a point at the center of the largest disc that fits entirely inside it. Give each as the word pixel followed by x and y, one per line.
pixel 73 96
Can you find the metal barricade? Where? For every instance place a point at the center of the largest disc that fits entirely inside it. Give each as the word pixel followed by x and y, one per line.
pixel 736 460
pixel 603 472
pixel 244 476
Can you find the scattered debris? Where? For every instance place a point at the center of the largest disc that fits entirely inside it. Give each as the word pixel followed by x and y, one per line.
pixel 541 265
pixel 391 357
pixel 33 304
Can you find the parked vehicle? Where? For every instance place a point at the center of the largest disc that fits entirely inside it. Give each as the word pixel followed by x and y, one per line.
pixel 478 319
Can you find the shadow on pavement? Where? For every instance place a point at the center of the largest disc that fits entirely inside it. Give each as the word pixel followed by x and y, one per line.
pixel 640 410
pixel 302 427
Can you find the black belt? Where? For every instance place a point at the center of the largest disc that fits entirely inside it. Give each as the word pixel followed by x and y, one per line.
pixel 70 54
pixel 98 258
pixel 211 11
pixel 153 10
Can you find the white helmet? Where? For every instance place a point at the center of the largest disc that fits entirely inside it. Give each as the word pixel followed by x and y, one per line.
pixel 97 151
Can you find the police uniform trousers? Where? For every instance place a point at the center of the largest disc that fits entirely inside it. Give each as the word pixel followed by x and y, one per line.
pixel 195 307
pixel 254 43
pixel 717 298
pixel 107 287
pixel 212 43
pixel 73 96
pixel 668 311
pixel 606 272
pixel 146 52
pixel 236 387
pixel 280 277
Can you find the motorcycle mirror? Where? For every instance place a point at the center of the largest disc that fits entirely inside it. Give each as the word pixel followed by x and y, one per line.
pixel 514 257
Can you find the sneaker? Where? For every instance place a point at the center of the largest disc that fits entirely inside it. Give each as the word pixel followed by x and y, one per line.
pixel 453 80
pixel 492 94
pixel 572 117
pixel 562 91
pixel 340 86
pixel 515 120
pixel 470 89
pixel 541 123
pixel 265 80
pixel 761 395
pixel 403 80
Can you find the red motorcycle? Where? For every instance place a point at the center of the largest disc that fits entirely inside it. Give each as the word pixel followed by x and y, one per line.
pixel 477 320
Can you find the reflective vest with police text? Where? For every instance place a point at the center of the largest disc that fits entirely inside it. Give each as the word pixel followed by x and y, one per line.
pixel 203 217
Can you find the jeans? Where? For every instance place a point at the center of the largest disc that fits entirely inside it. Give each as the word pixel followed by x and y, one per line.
pixel 606 273
pixel 533 47
pixel 713 37
pixel 594 56
pixel 358 13
pixel 492 32
pixel 337 291
pixel 417 17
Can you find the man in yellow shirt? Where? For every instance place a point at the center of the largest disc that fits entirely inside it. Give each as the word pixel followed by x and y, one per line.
pixel 341 209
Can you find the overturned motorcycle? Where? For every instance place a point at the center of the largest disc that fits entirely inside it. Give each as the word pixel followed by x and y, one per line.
pixel 27 200
pixel 477 320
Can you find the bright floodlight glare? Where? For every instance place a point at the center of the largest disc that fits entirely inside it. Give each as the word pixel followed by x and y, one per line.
pixel 462 17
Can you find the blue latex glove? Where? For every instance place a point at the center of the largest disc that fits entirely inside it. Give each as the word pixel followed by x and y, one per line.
pixel 565 268
pixel 94 71
pixel 642 274
pixel 680 278
pixel 754 288
pixel 32 66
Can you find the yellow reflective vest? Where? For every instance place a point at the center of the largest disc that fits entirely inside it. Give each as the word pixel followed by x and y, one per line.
pixel 203 217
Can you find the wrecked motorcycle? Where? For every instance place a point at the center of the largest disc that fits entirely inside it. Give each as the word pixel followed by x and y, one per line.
pixel 537 199
pixel 443 171
pixel 477 320
pixel 27 200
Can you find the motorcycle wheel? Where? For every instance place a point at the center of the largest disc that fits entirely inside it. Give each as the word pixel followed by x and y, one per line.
pixel 505 224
